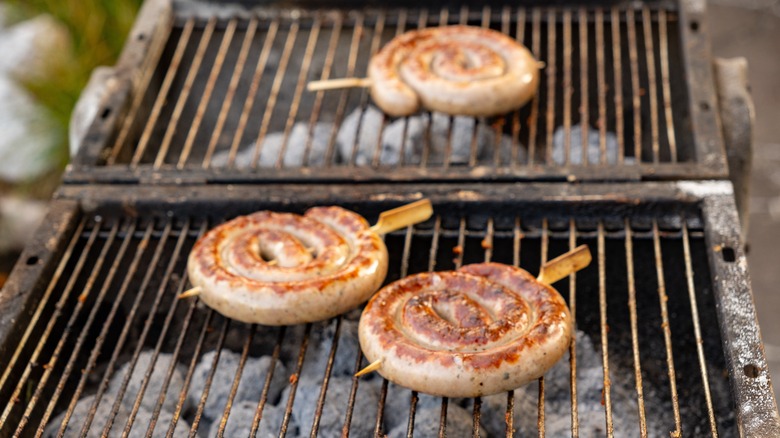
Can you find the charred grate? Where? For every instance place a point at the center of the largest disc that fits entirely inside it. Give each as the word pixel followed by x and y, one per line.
pixel 226 94
pixel 647 357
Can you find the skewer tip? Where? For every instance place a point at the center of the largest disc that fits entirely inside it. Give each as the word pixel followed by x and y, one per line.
pixel 194 292
pixel 373 366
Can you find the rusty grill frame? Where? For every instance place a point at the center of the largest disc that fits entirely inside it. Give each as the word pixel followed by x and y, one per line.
pixel 44 260
pixel 97 160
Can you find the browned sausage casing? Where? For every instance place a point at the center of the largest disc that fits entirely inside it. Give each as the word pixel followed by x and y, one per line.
pixel 326 262
pixel 483 329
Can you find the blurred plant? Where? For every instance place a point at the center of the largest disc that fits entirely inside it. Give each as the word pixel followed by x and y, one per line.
pixel 98 29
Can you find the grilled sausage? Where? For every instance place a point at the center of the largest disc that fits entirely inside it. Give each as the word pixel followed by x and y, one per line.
pixel 325 262
pixel 460 70
pixel 483 329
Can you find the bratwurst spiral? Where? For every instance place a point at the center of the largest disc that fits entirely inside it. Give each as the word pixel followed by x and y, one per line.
pixel 461 70
pixel 283 268
pixel 483 329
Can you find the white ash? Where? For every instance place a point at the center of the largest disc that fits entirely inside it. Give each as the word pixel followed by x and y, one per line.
pixel 557 399
pixel 426 423
pixel 153 387
pixel 249 388
pixel 347 349
pixel 575 152
pixel 396 412
pixel 295 151
pixel 359 132
pixel 140 424
pixel 335 406
pixel 242 415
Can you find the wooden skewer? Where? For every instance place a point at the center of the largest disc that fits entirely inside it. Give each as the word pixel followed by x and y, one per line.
pixel 373 366
pixel 273 262
pixel 403 216
pixel 194 292
pixel 565 265
pixel 335 84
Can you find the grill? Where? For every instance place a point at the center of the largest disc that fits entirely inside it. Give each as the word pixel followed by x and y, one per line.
pixel 91 310
pixel 210 94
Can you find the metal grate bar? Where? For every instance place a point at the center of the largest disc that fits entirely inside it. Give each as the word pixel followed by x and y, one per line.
pixel 326 379
pixel 162 94
pixel 519 36
pixel 175 355
pixel 375 39
pixel 551 82
pixel 536 35
pixel 663 299
pixel 275 89
pixel 138 98
pixel 236 380
pixel 665 83
pixel 267 385
pixel 40 309
pixel 602 88
pixel 262 61
pixel 69 328
pixel 209 380
pixel 190 370
pixel 216 69
pixel 697 330
pixel 618 88
pixel 326 70
pixel 294 382
pixel 20 384
pixel 540 403
pixel 651 74
pixel 140 250
pixel 575 423
pixel 185 92
pixel 640 398
pixel 299 87
pixel 584 89
pixel 602 262
pixel 635 86
pixel 344 94
pixel 568 87
pixel 147 326
pixel 352 395
pixel 82 337
pixel 148 323
pixel 231 92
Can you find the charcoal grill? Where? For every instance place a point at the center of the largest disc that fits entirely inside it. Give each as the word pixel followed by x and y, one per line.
pixel 206 94
pixel 98 286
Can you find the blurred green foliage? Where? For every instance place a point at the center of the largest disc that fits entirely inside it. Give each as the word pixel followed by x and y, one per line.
pixel 98 29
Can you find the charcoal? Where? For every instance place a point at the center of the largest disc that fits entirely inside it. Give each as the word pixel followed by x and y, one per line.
pixel 242 415
pixel 143 418
pixel 396 411
pixel 432 130
pixel 294 153
pixel 153 387
pixel 591 415
pixel 335 406
pixel 80 413
pixel 426 423
pixel 346 352
pixel 249 388
pixel 575 155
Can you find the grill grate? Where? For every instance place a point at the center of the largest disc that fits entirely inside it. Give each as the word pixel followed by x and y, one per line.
pixel 639 310
pixel 228 93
